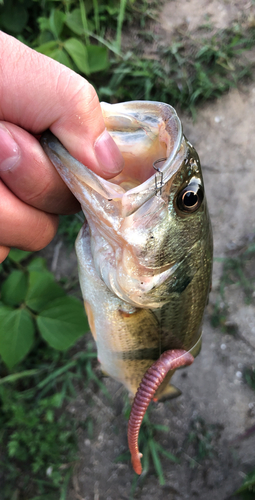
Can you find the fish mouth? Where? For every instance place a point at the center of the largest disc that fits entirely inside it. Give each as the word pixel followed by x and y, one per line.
pixel 145 132
pixel 149 136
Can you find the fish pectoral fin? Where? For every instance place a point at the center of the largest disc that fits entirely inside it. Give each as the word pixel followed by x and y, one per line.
pixel 169 392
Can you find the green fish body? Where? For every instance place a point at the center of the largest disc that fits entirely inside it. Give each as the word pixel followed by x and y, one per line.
pixel 145 250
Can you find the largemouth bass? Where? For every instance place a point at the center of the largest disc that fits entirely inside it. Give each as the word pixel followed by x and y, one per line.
pixel 144 252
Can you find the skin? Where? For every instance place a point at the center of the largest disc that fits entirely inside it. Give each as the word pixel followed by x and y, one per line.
pixel 37 93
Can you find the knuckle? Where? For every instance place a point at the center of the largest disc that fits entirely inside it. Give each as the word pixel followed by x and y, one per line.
pixel 76 95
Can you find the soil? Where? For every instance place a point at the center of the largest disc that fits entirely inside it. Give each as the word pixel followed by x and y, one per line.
pixel 216 406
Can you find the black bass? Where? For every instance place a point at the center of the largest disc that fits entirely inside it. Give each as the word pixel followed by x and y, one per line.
pixel 144 252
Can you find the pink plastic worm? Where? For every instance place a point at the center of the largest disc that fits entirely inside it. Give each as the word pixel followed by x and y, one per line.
pixel 169 360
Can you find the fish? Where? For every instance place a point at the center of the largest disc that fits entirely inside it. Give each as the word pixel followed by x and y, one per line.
pixel 144 252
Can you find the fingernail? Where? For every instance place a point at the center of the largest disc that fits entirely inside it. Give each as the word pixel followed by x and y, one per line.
pixel 9 150
pixel 108 154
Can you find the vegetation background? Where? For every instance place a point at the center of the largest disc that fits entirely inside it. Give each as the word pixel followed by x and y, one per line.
pixel 48 368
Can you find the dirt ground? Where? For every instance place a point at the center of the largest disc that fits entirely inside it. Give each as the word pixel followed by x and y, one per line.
pixel 215 401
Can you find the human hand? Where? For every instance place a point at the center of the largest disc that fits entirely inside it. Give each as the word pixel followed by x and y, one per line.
pixel 37 93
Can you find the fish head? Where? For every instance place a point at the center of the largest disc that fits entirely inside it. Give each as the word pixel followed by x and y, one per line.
pixel 149 224
pixel 144 132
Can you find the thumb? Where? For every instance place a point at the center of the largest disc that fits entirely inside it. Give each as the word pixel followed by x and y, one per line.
pixel 38 93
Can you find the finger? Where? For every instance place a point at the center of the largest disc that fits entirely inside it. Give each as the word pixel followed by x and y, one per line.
pixel 3 253
pixel 45 94
pixel 27 171
pixel 22 226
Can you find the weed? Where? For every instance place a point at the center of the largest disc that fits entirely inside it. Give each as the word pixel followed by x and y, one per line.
pixel 249 376
pixel 184 74
pixel 247 490
pixel 219 314
pixel 202 437
pixel 69 226
pixel 87 36
pixel 33 304
pixel 38 439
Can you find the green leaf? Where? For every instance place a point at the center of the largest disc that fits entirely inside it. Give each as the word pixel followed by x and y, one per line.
pixel 62 322
pixel 97 58
pixel 78 53
pixel 249 484
pixel 61 56
pixel 20 375
pixel 156 461
pixel 74 22
pixel 14 17
pixel 74 19
pixel 14 288
pixel 4 311
pixel 17 255
pixel 48 47
pixel 16 336
pixel 56 22
pixel 167 454
pixel 43 23
pixel 163 428
pixel 37 264
pixel 42 289
pixel 55 374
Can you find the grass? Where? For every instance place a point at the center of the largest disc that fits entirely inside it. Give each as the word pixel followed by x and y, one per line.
pixel 247 490
pixel 150 448
pixel 249 376
pixel 184 74
pixel 202 437
pixel 38 438
pixel 69 226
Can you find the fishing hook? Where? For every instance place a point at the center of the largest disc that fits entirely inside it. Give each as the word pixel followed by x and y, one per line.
pixel 158 181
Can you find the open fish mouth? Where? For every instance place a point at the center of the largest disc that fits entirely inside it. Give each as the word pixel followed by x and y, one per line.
pixel 149 136
pixel 144 133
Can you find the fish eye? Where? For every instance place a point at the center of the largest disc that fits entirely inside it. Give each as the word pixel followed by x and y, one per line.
pixel 190 198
